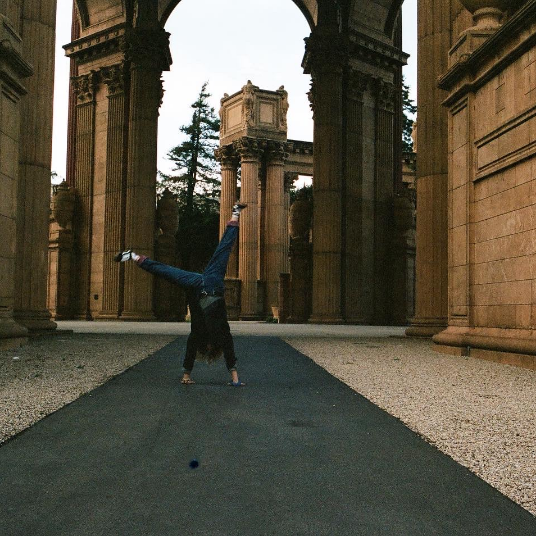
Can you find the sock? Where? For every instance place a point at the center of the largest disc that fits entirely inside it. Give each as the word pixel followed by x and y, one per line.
pixel 134 256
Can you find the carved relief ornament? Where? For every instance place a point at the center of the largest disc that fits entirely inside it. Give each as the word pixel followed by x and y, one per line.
pixel 148 49
pixel 277 151
pixel 114 77
pixel 248 148
pixel 358 84
pixel 227 157
pixel 385 92
pixel 85 86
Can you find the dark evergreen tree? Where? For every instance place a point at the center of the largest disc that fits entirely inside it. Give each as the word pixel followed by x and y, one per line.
pixel 409 109
pixel 196 182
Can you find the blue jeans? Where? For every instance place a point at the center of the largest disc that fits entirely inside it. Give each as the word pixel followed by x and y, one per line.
pixel 212 279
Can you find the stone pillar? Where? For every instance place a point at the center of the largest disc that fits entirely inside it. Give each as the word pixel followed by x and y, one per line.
pixel 85 87
pixel 38 29
pixel 249 226
pixel 324 60
pixel 229 164
pixel 290 178
pixel 13 69
pixel 60 252
pixel 431 299
pixel 167 305
pixel 275 227
pixel 114 207
pixel 359 195
pixel 383 201
pixel 145 50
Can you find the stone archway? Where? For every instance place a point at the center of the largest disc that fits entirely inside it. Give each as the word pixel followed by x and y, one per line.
pixel 354 66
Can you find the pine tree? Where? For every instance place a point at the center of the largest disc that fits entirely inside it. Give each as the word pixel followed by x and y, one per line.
pixel 196 182
pixel 407 125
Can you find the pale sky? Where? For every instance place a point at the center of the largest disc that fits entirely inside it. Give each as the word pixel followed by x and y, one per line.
pixel 227 43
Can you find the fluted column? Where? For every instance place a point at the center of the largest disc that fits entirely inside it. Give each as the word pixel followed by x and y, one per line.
pixel 250 153
pixel 229 164
pixel 431 299
pixel 38 28
pixel 112 274
pixel 325 58
pixel 383 201
pixel 13 70
pixel 276 229
pixel 145 50
pixel 85 87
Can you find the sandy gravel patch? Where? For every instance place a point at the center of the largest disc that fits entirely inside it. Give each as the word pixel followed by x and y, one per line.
pixel 482 414
pixel 48 373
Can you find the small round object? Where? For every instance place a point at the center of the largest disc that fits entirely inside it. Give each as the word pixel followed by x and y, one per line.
pixel 194 464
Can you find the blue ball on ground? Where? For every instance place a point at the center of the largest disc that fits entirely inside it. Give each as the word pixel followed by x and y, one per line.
pixel 194 464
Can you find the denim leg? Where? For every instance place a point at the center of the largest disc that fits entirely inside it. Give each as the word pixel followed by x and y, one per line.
pixel 180 277
pixel 214 273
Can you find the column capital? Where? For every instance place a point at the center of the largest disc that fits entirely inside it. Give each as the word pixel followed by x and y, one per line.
pixel 385 94
pixel 248 148
pixel 147 48
pixel 114 77
pixel 290 178
pixel 325 52
pixel 227 156
pixel 358 84
pixel 85 86
pixel 277 151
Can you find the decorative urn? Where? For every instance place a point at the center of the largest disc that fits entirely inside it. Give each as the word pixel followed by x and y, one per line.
pixel 487 14
pixel 63 205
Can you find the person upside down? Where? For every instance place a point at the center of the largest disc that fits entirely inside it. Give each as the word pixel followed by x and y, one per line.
pixel 210 335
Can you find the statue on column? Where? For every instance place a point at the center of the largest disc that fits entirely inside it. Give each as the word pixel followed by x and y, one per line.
pixel 248 104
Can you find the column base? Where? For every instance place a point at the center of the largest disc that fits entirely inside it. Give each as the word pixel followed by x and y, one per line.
pixel 35 321
pixel 506 346
pixel 250 318
pixel 12 335
pixel 426 329
pixel 106 315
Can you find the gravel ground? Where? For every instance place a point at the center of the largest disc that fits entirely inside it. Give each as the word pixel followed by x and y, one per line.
pixel 46 374
pixel 482 414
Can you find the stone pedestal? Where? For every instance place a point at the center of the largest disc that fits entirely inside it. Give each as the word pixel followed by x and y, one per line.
pixel 33 192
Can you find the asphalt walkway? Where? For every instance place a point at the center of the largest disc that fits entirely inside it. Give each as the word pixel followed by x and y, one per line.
pixel 295 452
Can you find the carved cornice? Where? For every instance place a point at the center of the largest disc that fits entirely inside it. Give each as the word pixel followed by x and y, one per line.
pixel 227 156
pixel 114 77
pixel 85 86
pixel 300 147
pixel 377 53
pixel 248 148
pixel 97 45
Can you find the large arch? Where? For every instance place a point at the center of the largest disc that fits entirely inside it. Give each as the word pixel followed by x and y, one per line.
pixel 309 8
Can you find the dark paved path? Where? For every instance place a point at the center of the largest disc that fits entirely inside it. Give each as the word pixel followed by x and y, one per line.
pixel 295 452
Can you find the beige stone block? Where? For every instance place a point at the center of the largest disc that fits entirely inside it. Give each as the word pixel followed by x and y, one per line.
pixel 459 130
pixel 523 316
pixel 480 315
pixel 458 170
pixel 459 287
pixel 523 172
pixel 459 246
pixel 459 207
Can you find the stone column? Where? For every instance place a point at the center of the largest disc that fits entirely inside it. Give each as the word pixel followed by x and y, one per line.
pixel 383 201
pixel 38 29
pixel 325 58
pixel 250 154
pixel 146 48
pixel 229 164
pixel 275 226
pixel 85 87
pixel 114 209
pixel 359 198
pixel 13 69
pixel 431 299
pixel 60 252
